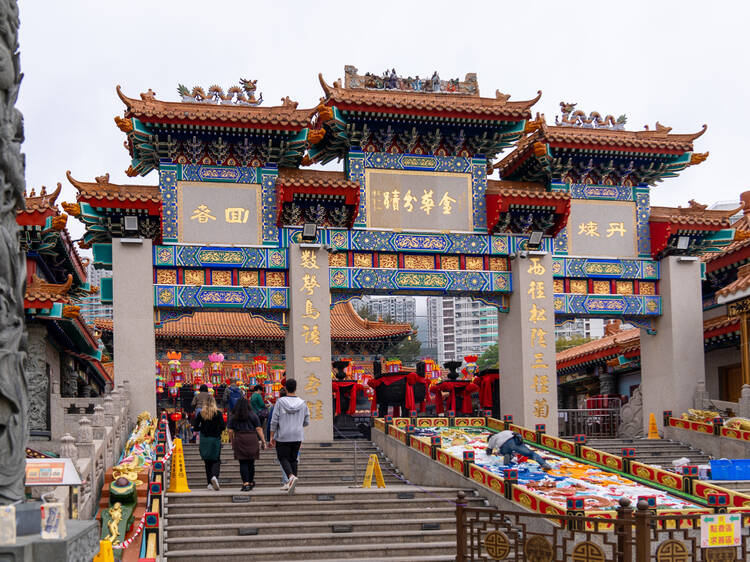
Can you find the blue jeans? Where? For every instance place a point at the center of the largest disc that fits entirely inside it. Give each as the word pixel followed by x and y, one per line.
pixel 510 446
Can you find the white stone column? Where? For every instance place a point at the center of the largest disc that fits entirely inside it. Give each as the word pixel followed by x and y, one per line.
pixel 526 350
pixel 133 330
pixel 672 362
pixel 308 341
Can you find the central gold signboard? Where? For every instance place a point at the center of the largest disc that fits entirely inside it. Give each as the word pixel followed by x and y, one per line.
pixel 402 200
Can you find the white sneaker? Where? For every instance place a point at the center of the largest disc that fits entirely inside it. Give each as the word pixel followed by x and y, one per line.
pixel 285 486
pixel 215 483
pixel 209 487
pixel 292 483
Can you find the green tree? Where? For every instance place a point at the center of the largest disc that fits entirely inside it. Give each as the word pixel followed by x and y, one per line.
pixel 562 344
pixel 489 359
pixel 407 350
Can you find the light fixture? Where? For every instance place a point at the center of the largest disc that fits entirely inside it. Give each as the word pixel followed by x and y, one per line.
pixel 130 224
pixel 683 242
pixel 309 232
pixel 535 240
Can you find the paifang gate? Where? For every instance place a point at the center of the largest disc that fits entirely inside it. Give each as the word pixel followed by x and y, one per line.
pixel 568 230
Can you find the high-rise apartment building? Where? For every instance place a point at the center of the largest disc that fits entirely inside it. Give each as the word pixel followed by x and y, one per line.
pixel 581 328
pixel 460 326
pixel 91 306
pixel 395 309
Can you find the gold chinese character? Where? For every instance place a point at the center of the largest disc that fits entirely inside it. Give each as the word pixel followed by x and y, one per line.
pixel 589 229
pixel 311 334
pixel 536 268
pixel 311 358
pixel 539 361
pixel 616 228
pixel 541 408
pixel 409 200
pixel 395 195
pixel 446 203
pixel 537 314
pixel 310 311
pixel 387 199
pixel 202 214
pixel 308 260
pixel 312 385
pixel 236 215
pixel 316 410
pixel 536 290
pixel 427 201
pixel 541 383
pixel 309 283
pixel 538 335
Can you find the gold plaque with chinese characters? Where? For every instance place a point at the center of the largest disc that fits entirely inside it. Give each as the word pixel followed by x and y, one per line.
pixel 602 228
pixel 406 200
pixel 219 213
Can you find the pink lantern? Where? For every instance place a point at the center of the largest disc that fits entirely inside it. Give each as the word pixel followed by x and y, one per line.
pixel 217 371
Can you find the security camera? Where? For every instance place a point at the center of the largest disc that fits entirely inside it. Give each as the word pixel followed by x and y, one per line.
pixel 523 254
pixel 512 256
pixel 328 248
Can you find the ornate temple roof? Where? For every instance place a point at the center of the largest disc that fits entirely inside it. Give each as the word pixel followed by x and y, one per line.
pixel 695 215
pixel 43 203
pixel 737 288
pixel 305 188
pixel 40 294
pixel 619 342
pixel 346 325
pixel 427 104
pixel 294 177
pixel 149 109
pixel 739 250
pixel 101 190
pixel 525 206
pixel 525 189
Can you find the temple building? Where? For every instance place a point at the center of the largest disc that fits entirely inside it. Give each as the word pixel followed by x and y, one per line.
pixel 64 358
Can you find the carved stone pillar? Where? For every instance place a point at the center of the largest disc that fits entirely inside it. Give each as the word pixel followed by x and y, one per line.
pixel 68 447
pixel 36 375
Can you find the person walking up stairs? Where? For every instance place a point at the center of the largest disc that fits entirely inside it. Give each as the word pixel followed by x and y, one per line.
pixel 290 416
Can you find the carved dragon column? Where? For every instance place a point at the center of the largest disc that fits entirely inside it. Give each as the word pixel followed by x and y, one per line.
pixel 14 425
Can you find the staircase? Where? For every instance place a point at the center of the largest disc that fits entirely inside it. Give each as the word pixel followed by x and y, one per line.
pixel 325 519
pixel 651 451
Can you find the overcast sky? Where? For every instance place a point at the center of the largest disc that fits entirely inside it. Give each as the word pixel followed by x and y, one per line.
pixel 681 63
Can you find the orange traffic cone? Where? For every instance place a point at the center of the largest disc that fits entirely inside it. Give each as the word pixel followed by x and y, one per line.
pixel 653 430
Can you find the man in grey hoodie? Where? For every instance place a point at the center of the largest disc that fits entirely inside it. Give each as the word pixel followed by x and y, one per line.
pixel 290 415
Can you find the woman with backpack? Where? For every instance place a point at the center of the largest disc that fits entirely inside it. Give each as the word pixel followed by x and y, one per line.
pixel 246 435
pixel 210 424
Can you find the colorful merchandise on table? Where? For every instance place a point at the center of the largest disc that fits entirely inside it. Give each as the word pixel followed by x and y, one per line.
pixel 567 478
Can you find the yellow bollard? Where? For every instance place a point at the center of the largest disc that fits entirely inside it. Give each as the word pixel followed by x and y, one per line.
pixel 653 430
pixel 178 482
pixel 105 552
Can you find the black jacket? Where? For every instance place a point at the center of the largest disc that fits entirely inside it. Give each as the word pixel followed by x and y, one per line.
pixel 210 428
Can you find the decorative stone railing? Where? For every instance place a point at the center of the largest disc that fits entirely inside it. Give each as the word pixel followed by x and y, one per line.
pixel 94 442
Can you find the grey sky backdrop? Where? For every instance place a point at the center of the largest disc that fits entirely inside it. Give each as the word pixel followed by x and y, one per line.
pixel 679 62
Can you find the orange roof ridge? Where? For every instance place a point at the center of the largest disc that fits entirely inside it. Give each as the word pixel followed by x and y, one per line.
pixel 314 178
pixel 695 213
pixel 101 188
pixel 43 201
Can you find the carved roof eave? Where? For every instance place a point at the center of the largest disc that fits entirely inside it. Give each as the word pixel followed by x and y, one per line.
pixel 108 195
pixel 150 110
pixel 423 104
pixel 505 196
pixel 693 217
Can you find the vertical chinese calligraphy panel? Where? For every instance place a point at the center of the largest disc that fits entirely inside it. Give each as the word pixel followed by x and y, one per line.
pixel 528 370
pixel 219 213
pixel 308 342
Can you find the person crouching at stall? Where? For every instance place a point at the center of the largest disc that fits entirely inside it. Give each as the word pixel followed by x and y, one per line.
pixel 210 424
pixel 246 435
pixel 508 442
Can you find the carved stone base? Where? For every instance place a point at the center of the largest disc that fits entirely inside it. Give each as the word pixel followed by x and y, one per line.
pixel 81 545
pixel 631 415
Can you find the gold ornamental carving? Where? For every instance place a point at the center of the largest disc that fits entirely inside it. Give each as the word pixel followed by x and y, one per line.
pixel 537 549
pixel 475 263
pixel 587 551
pixel 449 262
pixel 166 277
pixel 419 262
pixel 721 554
pixel 647 288
pixel 497 545
pixel 337 260
pixel 388 261
pixel 673 550
pixel 194 277
pixel 601 287
pixel 624 287
pixel 221 278
pixel 275 279
pixel 558 286
pixel 498 264
pixel 362 260
pixel 579 286
pixel 249 279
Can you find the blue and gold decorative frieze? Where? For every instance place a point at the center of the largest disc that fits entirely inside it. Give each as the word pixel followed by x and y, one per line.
pixel 238 174
pixel 217 257
pixel 168 188
pixel 605 268
pixel 206 296
pixel 345 278
pixel 611 305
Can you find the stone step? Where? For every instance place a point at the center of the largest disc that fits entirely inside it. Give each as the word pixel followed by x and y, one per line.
pixel 364 552
pixel 272 528
pixel 230 479
pixel 270 516
pixel 389 537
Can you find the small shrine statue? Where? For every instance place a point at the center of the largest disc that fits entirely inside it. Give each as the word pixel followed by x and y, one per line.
pixel 404 390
